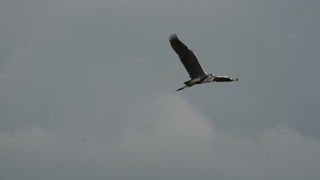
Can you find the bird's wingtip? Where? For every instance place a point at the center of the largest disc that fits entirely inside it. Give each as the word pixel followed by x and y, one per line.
pixel 173 35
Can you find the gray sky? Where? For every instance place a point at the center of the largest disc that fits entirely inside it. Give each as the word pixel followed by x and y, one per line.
pixel 87 90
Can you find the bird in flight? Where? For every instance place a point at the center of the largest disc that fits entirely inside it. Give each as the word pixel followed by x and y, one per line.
pixel 192 65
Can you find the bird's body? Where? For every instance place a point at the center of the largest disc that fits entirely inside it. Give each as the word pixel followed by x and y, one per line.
pixel 192 65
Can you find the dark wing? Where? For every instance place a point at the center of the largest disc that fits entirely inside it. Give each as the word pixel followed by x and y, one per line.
pixel 187 57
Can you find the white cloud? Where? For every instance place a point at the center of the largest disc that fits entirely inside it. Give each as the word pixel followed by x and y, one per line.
pixel 164 136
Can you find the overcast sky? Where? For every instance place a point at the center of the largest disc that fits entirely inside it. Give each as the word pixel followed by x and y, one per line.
pixel 87 90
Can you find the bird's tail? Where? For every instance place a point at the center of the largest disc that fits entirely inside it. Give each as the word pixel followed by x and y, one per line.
pixel 187 82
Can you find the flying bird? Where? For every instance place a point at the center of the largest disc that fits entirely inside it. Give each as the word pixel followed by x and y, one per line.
pixel 192 65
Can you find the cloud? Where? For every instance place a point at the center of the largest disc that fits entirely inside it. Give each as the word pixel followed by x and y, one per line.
pixel 80 95
pixel 165 137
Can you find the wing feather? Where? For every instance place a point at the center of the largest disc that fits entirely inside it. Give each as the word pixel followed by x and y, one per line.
pixel 187 57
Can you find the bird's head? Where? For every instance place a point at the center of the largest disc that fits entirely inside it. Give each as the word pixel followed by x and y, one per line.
pixel 224 79
pixel 231 79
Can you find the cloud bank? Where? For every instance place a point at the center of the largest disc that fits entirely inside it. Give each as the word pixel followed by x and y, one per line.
pixel 163 138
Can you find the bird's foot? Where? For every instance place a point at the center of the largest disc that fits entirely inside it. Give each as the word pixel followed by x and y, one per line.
pixel 182 88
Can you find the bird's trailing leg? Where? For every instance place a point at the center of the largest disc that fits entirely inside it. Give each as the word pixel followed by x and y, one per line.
pixel 182 88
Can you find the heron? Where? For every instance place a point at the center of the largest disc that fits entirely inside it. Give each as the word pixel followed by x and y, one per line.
pixel 191 63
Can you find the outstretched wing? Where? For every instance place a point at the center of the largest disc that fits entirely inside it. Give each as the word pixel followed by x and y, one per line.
pixel 187 57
